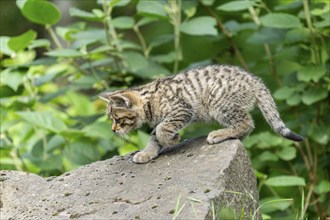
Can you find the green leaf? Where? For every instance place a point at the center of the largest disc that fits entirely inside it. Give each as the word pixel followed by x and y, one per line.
pixel 53 162
pixel 99 13
pixel 285 181
pixel 294 99
pixel 272 204
pixel 39 43
pixel 297 35
pixel 151 9
pixel 322 188
pixel 319 133
pixel 72 134
pixel 127 148
pixel 130 45
pixel 123 22
pixel 41 12
pixel 161 39
pixel 55 142
pixel 324 23
pixel 288 5
pixel 50 74
pixel 145 21
pixel 98 130
pixel 311 73
pixel 203 25
pixel 143 139
pixel 82 152
pixel 13 79
pixel 152 70
pixel 280 20
pixel 65 32
pixel 313 95
pixel 44 120
pixel 263 140
pixel 268 156
pixel 135 61
pixel 236 6
pixel 164 58
pixel 114 3
pixel 235 27
pixel 4 46
pixel 101 49
pixel 64 53
pixel 207 2
pixel 22 41
pixel 80 104
pixel 320 11
pixel 89 36
pixel 189 8
pixel 287 153
pixel 76 12
pixel 20 3
pixel 284 93
pixel 266 36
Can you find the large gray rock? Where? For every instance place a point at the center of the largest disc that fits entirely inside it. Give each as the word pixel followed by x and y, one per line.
pixel 193 181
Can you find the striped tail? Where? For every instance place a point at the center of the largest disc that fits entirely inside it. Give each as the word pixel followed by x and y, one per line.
pixel 268 108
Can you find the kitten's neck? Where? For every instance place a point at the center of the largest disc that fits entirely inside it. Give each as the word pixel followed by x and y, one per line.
pixel 148 111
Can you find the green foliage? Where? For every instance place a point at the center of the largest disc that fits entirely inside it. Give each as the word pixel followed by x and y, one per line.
pixel 20 42
pixel 41 12
pixel 52 120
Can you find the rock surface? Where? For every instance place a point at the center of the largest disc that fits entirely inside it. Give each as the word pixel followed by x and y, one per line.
pixel 193 181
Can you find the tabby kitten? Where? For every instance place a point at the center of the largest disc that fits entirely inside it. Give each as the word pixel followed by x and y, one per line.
pixel 222 93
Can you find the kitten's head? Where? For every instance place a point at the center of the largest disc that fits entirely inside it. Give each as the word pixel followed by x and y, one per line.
pixel 125 111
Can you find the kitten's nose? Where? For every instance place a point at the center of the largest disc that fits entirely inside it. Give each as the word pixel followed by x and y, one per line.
pixel 114 129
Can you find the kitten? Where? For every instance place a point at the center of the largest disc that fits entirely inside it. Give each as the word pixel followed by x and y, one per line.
pixel 222 93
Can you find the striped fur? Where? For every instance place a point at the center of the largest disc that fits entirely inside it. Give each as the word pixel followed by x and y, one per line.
pixel 222 93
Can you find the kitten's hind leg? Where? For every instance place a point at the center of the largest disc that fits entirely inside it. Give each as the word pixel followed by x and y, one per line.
pixel 238 125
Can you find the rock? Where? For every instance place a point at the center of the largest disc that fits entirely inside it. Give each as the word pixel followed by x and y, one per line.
pixel 193 181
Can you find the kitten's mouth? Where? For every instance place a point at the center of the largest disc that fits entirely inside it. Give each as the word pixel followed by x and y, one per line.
pixel 121 132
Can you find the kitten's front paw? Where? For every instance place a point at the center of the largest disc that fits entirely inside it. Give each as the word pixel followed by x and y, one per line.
pixel 143 157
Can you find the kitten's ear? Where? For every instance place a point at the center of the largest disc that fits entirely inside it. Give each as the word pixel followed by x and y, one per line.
pixel 120 101
pixel 105 96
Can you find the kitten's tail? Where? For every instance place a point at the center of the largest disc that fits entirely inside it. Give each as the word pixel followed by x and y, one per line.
pixel 268 108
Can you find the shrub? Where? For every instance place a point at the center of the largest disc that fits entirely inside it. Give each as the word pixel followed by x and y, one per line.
pixel 52 120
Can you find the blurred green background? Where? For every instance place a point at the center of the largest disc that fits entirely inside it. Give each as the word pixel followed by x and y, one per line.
pixel 57 56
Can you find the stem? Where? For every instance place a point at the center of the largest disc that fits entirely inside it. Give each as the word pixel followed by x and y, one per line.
pixel 305 158
pixel 273 191
pixel 263 4
pixel 315 54
pixel 174 10
pixel 105 24
pixel 45 144
pixel 105 85
pixel 142 41
pixel 267 49
pixel 17 160
pixel 272 201
pixel 313 182
pixel 177 38
pixel 54 36
pixel 309 152
pixel 112 37
pixel 228 35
